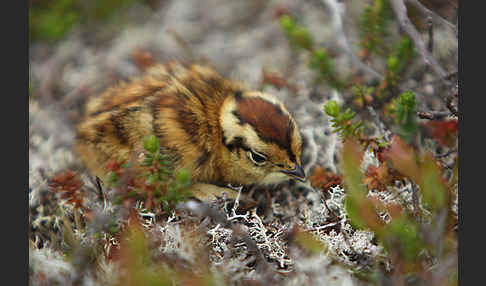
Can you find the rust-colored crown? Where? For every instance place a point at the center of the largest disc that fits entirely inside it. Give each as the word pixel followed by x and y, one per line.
pixel 271 123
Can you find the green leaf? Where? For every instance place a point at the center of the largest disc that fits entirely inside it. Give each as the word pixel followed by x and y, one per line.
pixel 374 26
pixel 152 179
pixel 393 64
pixel 113 228
pixel 287 23
pixel 151 144
pixel 302 37
pixel 406 115
pixel 332 108
pixel 112 178
pixel 146 162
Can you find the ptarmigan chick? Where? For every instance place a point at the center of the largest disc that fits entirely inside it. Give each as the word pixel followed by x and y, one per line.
pixel 221 132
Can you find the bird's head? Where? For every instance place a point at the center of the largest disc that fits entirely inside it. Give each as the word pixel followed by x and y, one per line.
pixel 262 143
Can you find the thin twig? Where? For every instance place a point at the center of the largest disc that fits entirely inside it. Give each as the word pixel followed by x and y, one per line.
pixel 400 10
pixel 432 115
pixel 99 189
pixel 451 107
pixel 451 151
pixel 430 45
pixel 325 226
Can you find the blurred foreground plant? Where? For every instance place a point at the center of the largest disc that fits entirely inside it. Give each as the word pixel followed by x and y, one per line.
pixel 418 242
pixel 140 266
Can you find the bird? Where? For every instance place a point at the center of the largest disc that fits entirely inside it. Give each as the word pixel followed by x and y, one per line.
pixel 222 132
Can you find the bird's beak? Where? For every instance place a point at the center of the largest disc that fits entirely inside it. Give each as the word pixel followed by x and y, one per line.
pixel 297 173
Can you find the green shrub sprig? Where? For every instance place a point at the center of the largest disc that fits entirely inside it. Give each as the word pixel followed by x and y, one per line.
pixel 158 183
pixel 342 122
pixel 374 27
pixel 167 188
pixel 320 61
pixel 399 59
pixel 404 111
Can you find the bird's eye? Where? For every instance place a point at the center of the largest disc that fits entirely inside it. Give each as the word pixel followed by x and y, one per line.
pixel 257 158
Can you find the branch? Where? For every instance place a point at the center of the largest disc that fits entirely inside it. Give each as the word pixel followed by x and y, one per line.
pixel 400 10
pixel 434 15
pixel 432 115
pixel 439 115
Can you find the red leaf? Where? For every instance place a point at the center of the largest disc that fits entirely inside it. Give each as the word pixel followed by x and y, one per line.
pixel 69 186
pixel 443 131
pixel 114 166
pixel 324 180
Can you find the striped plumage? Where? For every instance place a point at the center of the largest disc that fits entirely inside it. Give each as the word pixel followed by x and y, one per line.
pixel 217 129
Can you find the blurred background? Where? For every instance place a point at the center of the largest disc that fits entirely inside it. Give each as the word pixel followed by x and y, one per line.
pixel 79 48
